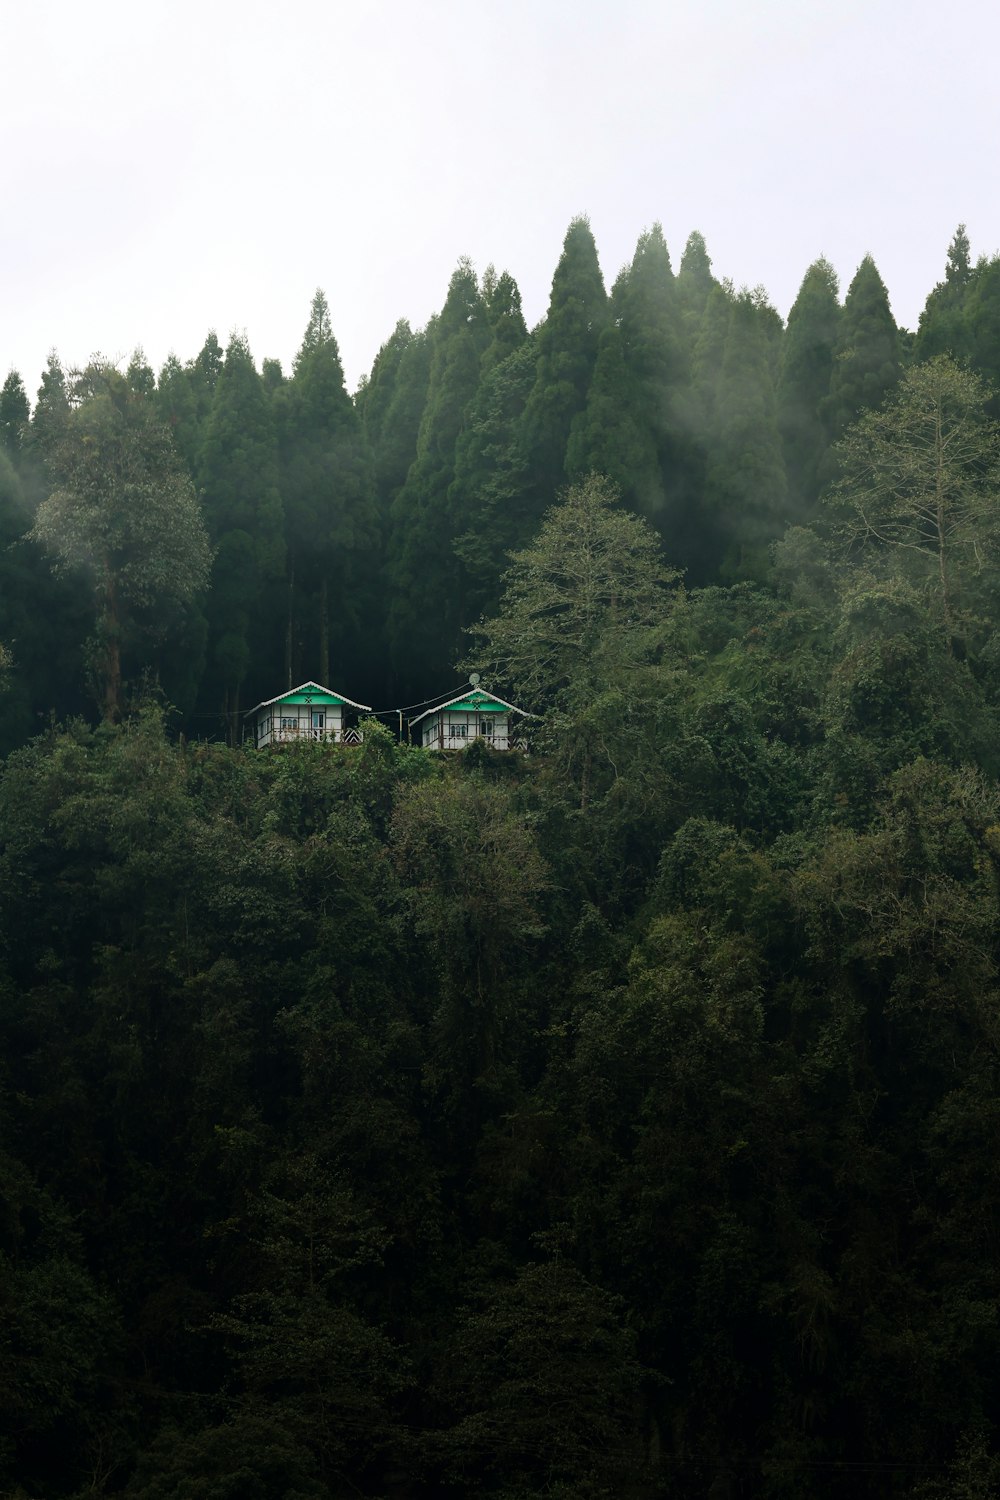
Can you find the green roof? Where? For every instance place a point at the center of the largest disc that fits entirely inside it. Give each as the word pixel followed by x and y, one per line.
pixel 478 703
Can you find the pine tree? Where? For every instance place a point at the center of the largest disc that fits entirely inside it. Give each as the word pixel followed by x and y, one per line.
pixel 804 383
pixel 694 283
pixel 184 397
pixel 139 375
pixel 943 324
pixel 125 514
pixel 502 301
pixel 567 345
pixel 610 436
pixel 648 424
pixel 391 407
pixel 51 408
pixel 982 323
pixel 329 508
pixel 693 541
pixel 866 356
pixel 14 415
pixel 238 477
pixel 489 494
pixel 421 560
pixel 745 490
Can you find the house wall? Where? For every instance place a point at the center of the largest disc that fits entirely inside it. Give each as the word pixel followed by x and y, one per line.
pixel 453 730
pixel 287 723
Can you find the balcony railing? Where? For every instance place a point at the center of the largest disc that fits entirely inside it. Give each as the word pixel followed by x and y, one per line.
pixel 292 733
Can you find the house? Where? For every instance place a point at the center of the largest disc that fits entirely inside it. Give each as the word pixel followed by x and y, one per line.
pixel 308 712
pixel 473 715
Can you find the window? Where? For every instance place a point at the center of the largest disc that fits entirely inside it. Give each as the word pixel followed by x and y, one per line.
pixel 287 722
pixel 486 728
pixel 458 731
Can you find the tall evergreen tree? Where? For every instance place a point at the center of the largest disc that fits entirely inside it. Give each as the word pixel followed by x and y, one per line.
pixel 125 516
pixel 694 283
pixel 866 356
pixel 14 414
pixel 502 301
pixel 427 611
pixel 185 394
pixel 804 383
pixel 238 476
pixel 567 352
pixel 631 426
pixel 490 494
pixel 329 510
pixel 610 436
pixel 982 323
pixel 391 406
pixel 745 492
pixel 942 326
pixel 52 406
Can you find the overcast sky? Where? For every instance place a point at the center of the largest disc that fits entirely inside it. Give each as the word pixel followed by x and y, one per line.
pixel 172 166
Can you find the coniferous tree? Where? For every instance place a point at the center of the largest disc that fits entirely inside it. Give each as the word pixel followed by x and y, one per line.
pixel 866 356
pixel 139 375
pixel 645 305
pixel 982 323
pixel 14 415
pixel 745 476
pixel 567 344
pixel 694 540
pixel 804 384
pixel 504 318
pixel 427 611
pixel 629 427
pixel 490 494
pixel 610 435
pixel 694 283
pixel 184 397
pixel 942 328
pixel 238 477
pixel 392 406
pixel 329 509
pixel 51 408
pixel 123 514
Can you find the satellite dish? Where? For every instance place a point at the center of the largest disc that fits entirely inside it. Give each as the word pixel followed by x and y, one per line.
pixel 474 679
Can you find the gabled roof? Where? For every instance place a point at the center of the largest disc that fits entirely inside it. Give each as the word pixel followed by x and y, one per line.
pixel 472 701
pixel 306 687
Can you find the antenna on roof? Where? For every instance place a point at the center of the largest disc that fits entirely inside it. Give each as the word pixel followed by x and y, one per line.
pixel 474 679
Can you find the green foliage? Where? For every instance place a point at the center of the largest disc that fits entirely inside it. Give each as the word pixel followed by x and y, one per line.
pixel 612 1120
pixel 804 383
pixel 126 516
pixel 590 585
pixel 866 354
pixel 919 483
pixel 422 525
pixel 238 474
pixel 567 344
pixel 14 413
pixel 330 522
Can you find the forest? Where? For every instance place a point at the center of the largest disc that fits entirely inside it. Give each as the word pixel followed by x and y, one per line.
pixel 611 1120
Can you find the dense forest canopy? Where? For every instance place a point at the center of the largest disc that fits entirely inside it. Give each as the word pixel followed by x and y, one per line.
pixel 613 1120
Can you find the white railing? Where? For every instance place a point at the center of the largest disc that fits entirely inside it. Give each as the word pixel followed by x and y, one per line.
pixel 291 734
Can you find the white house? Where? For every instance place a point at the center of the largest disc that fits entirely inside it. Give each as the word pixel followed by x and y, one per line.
pixel 309 712
pixel 474 715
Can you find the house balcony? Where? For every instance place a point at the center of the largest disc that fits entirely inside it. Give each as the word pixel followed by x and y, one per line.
pixel 292 734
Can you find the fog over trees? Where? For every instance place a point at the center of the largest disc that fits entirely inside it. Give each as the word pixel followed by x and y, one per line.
pixel 615 1119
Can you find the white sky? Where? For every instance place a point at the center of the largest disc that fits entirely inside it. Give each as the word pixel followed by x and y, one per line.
pixel 173 166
